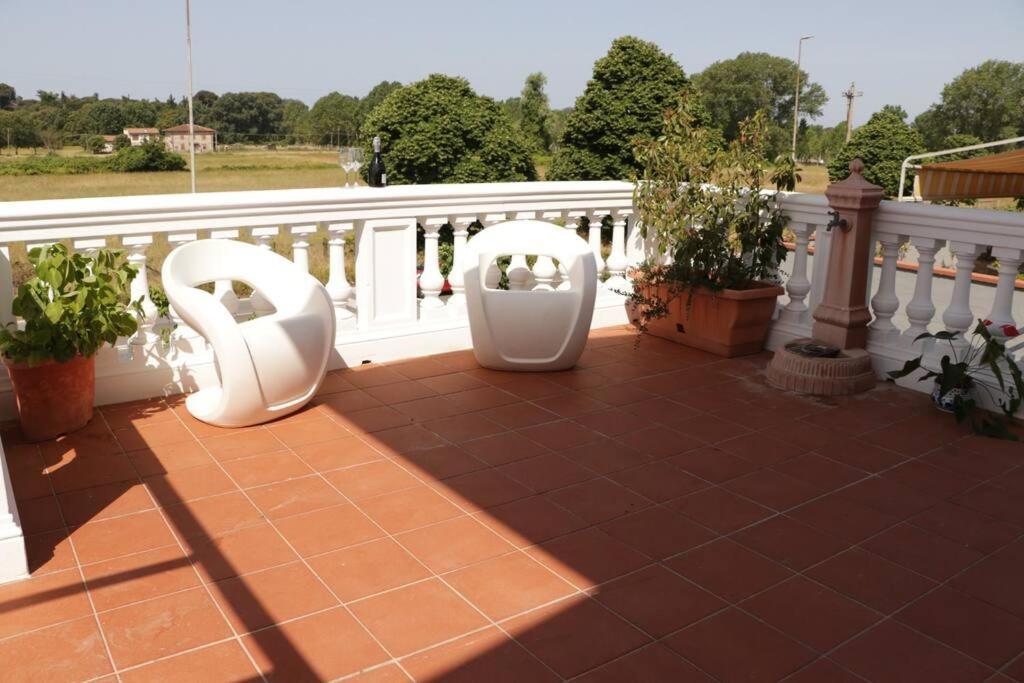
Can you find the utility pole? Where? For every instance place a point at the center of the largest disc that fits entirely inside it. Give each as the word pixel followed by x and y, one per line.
pixel 191 120
pixel 849 94
pixel 796 99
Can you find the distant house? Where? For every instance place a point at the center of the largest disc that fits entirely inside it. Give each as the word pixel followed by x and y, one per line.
pixel 108 144
pixel 140 135
pixel 176 138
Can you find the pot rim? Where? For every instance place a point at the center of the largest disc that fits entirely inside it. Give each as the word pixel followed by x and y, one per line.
pixel 14 365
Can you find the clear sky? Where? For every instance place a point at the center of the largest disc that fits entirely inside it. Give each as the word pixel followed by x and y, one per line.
pixel 898 52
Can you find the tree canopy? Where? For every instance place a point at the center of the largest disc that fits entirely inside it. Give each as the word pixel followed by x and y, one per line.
pixel 735 89
pixel 238 116
pixel 334 119
pixel 882 144
pixel 530 112
pixel 625 99
pixel 439 130
pixel 986 101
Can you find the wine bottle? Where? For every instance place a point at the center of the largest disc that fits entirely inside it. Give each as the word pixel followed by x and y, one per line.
pixel 377 176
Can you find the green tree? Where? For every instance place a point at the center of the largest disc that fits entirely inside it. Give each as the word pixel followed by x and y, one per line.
pixel 986 101
pixel 122 141
pixel 735 89
pixel 246 116
pixel 18 129
pixel 93 144
pixel 819 142
pixel 376 95
pixel 625 99
pixel 295 122
pixel 533 112
pixel 882 144
pixel 439 130
pixel 8 96
pixel 334 119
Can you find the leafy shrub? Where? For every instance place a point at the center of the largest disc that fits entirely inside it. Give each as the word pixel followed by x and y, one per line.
pixel 54 165
pixel 152 155
pixel 122 141
pixel 882 144
pixel 93 144
pixel 72 305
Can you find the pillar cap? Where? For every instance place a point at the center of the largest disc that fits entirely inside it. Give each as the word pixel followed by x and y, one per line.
pixel 854 192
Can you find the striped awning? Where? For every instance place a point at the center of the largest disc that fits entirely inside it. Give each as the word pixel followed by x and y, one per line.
pixel 995 175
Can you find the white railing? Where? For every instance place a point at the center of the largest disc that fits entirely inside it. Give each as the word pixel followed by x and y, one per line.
pixel 380 316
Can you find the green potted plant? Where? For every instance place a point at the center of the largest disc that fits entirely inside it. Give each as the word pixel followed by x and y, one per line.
pixel 961 374
pixel 706 208
pixel 70 307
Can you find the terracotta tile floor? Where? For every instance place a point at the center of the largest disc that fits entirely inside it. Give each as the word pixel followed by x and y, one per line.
pixel 658 514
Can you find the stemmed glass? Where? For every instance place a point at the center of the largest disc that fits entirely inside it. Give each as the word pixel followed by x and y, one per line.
pixel 351 161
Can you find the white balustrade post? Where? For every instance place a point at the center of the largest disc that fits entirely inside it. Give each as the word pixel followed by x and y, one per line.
pixel 300 245
pixel 13 556
pixel 174 239
pixel 264 238
pixel 617 261
pixel 139 288
pixel 337 285
pixel 798 285
pixel 885 303
pixel 958 316
pixel 457 275
pixel 224 290
pixel 492 278
pixel 920 310
pixel 431 279
pixel 1002 304
pixel 594 239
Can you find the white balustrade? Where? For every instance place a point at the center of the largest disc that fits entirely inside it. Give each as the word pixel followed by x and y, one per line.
pixel 431 280
pixel 264 238
pixel 617 261
pixel 136 246
pixel 1009 265
pixel 921 310
pixel 456 276
pixel 958 317
pixel 798 284
pixel 338 286
pixel 594 239
pixel 224 290
pixel 300 245
pixel 885 303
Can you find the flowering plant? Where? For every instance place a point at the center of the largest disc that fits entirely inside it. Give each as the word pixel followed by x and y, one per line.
pixel 963 369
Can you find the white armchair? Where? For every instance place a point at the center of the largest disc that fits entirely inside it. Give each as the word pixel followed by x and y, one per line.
pixel 542 329
pixel 270 366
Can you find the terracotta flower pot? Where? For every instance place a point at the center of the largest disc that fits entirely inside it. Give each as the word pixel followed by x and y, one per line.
pixel 732 322
pixel 53 398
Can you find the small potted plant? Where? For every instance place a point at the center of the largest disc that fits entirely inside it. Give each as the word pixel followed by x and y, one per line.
pixel 70 307
pixel 706 209
pixel 967 369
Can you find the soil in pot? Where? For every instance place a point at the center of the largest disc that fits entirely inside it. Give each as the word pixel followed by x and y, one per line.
pixel 732 322
pixel 53 398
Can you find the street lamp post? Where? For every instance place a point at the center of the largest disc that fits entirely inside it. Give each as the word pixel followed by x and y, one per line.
pixel 796 99
pixel 191 119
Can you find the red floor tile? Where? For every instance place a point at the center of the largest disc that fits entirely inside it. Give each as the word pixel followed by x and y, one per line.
pixel 409 509
pixel 293 497
pixel 129 579
pixel 71 651
pixel 659 481
pixel 239 552
pixel 481 489
pixel 529 521
pixel 713 464
pixel 658 532
pixel 922 551
pixel 772 489
pixel 42 601
pixel 369 568
pixel 49 552
pixel 462 428
pixel 891 652
pixel 1005 505
pixel 266 468
pixel 224 661
pixel 504 586
pixel 590 557
pixel 720 510
pixel 327 529
pixel 657 601
pixel 889 497
pixel 103 502
pixel 811 613
pixel 871 580
pixel 546 472
pixel 973 529
pixel 789 542
pixel 417 616
pixel 503 448
pixel 372 479
pixel 598 500
pixel 347 451
pixel 651 663
pixel 575 635
pixel 818 471
pixel 110 538
pixel 439 462
pixel 212 516
pixel 995 579
pixel 605 456
pixel 188 484
pixel 560 435
pixel 454 543
pixel 843 518
pixel 487 655
pixel 760 448
pixel 262 599
pixel 734 647
pixel 728 570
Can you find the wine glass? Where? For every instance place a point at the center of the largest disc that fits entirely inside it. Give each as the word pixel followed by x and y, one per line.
pixel 343 160
pixel 355 161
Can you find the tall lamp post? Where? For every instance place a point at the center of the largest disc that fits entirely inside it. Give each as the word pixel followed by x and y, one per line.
pixel 191 121
pixel 796 100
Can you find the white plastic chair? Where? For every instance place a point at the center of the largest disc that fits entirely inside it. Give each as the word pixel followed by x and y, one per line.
pixel 535 330
pixel 270 366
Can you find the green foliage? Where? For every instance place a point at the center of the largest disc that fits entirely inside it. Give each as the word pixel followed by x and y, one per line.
pixel 18 129
pixel 93 144
pixel 334 119
pixel 8 96
pixel 122 141
pixel 295 121
pixel 962 368
pixel 533 112
pixel 152 155
pixel 706 208
pixel 55 165
pixel 785 175
pixel 377 94
pixel 735 89
pixel 882 144
pixel 72 305
pixel 819 142
pixel 986 101
pixel 245 116
pixel 439 131
pixel 625 99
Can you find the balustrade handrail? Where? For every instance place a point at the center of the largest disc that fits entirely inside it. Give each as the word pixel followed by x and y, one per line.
pixel 987 227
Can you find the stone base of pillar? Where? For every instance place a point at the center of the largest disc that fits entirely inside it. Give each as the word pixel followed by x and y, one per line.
pixel 848 373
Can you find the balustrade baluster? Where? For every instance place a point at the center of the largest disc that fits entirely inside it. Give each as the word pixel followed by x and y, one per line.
pixel 224 290
pixel 431 280
pixel 798 285
pixel 594 239
pixel 136 246
pixel 493 276
pixel 958 316
pixel 617 261
pixel 457 276
pixel 264 238
pixel 920 310
pixel 338 287
pixel 300 245
pixel 1002 304
pixel 885 303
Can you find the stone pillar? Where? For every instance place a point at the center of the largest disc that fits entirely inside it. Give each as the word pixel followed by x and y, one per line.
pixel 842 317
